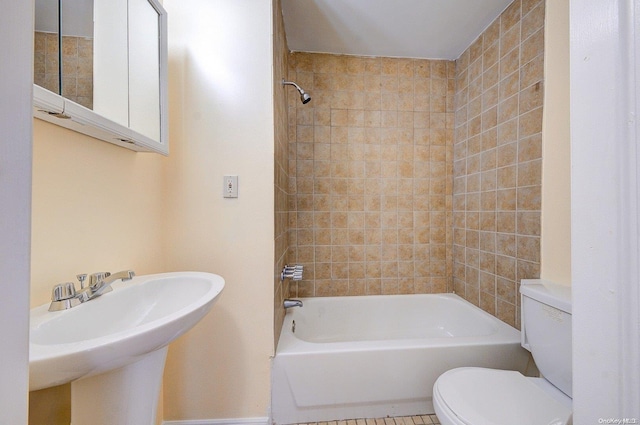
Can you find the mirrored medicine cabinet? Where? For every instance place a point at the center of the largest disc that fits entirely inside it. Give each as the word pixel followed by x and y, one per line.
pixel 100 68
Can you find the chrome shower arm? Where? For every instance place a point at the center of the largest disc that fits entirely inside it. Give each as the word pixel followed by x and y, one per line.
pixel 291 83
pixel 304 97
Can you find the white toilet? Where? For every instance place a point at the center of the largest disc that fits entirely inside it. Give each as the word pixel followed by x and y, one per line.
pixel 480 396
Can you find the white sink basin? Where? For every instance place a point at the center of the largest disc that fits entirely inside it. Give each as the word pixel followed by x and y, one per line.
pixel 119 328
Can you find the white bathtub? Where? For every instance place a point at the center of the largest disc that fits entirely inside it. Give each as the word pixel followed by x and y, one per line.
pixel 375 356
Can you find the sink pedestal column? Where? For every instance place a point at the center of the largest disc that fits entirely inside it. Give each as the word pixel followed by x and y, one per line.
pixel 124 396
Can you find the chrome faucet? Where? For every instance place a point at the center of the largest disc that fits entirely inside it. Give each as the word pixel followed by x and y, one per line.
pixel 288 303
pixel 65 296
pixel 100 283
pixel 292 272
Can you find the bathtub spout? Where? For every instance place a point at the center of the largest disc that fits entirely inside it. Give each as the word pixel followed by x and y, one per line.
pixel 292 303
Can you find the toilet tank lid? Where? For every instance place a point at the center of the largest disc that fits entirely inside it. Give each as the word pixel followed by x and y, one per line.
pixel 550 293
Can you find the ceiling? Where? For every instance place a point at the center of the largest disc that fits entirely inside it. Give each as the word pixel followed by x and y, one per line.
pixel 430 29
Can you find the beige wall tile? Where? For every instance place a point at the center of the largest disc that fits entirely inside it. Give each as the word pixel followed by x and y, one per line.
pixel 497 177
pixel 378 150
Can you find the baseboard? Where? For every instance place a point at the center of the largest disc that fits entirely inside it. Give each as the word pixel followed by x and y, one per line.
pixel 230 421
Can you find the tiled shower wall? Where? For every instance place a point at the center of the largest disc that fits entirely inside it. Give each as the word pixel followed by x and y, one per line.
pixel 417 176
pixel 281 174
pixel 370 166
pixel 498 159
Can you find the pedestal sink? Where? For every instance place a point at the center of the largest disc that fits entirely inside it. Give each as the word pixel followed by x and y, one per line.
pixel 112 348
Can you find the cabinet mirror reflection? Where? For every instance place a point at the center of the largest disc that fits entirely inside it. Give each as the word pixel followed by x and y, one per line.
pixel 67 71
pixel 107 56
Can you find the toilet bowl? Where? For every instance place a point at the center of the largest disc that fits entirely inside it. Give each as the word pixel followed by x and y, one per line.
pixel 480 396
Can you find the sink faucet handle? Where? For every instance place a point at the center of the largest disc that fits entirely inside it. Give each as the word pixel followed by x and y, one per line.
pixel 63 291
pixel 81 277
pixel 96 278
pixel 63 296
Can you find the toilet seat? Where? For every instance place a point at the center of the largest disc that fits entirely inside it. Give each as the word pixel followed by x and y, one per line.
pixel 480 396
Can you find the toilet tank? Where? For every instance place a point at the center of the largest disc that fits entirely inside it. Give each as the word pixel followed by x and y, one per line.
pixel 546 329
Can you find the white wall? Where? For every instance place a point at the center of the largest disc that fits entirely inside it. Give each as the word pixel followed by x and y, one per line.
pixel 605 99
pixel 222 122
pixel 16 46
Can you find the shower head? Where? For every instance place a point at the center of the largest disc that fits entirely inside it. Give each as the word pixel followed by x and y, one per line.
pixel 304 96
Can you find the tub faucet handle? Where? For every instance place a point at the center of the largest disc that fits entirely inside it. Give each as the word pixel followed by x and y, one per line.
pixel 292 272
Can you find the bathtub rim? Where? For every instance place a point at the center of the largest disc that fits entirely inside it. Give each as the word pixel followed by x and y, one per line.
pixel 289 344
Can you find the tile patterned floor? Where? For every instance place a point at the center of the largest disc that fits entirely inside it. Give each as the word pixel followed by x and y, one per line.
pixel 401 420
